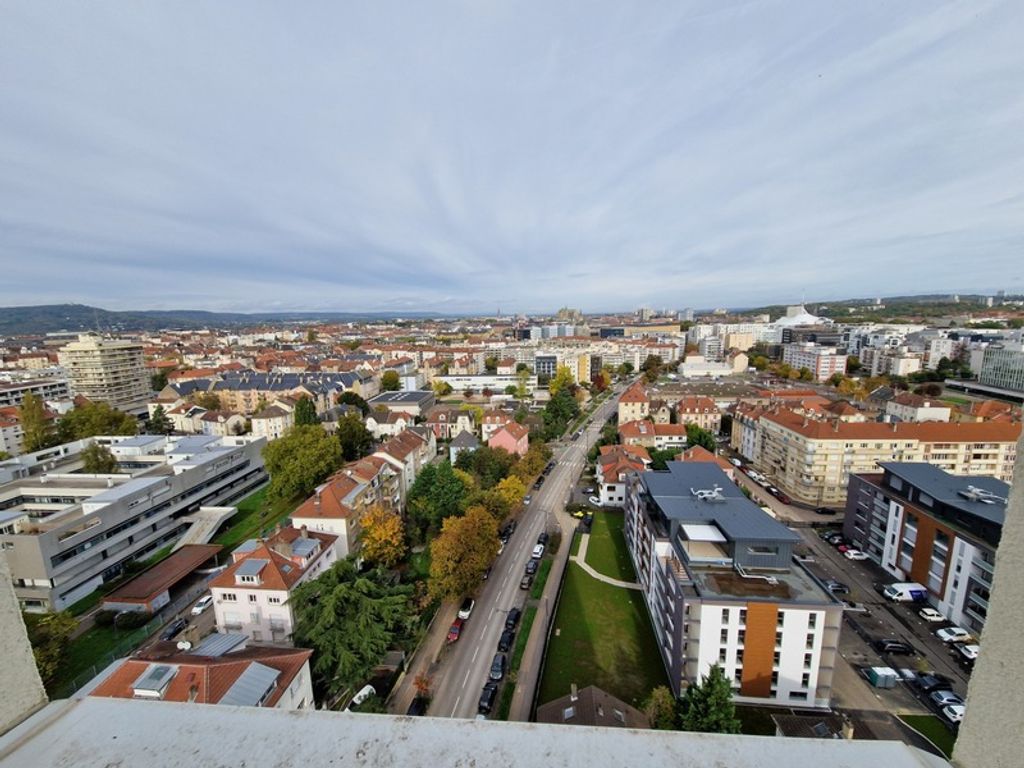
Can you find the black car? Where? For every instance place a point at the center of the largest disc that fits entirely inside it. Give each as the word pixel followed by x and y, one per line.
pixel 513 618
pixel 173 629
pixel 548 468
pixel 539 483
pixel 487 697
pixel 418 708
pixel 825 511
pixel 929 683
pixel 506 640
pixel 894 647
pixel 526 581
pixel 498 667
pixel 543 538
pixel 531 566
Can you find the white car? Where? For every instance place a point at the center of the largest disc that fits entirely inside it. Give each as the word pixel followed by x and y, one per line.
pixel 736 462
pixel 969 652
pixel 538 552
pixel 953 635
pixel 954 712
pixel 526 500
pixel 930 614
pixel 595 501
pixel 202 604
pixel 855 554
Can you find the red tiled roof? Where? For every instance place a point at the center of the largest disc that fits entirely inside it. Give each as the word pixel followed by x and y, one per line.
pixel 165 574
pixel 928 432
pixel 700 453
pixel 634 394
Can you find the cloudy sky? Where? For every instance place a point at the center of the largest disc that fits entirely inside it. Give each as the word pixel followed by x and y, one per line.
pixel 471 155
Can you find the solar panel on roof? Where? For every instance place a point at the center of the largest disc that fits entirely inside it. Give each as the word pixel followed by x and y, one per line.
pixel 251 567
pixel 152 683
pixel 251 687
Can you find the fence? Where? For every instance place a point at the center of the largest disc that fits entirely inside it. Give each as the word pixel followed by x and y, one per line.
pixel 125 646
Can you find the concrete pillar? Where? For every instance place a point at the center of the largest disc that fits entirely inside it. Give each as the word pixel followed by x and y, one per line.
pixel 991 735
pixel 22 688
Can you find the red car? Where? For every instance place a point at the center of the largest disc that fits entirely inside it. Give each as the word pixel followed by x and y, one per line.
pixel 455 630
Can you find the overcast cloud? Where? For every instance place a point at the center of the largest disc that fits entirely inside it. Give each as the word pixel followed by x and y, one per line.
pixel 469 155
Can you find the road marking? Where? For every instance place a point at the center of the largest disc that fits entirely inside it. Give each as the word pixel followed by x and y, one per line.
pixel 466 678
pixel 475 653
pixel 456 705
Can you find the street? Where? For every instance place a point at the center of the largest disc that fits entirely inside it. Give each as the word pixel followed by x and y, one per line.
pixel 459 670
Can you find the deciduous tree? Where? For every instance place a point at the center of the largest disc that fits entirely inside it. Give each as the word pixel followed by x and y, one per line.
pixel 98 460
pixel 707 706
pixel 350 619
pixel 390 381
pixel 660 709
pixel 208 400
pixel 36 425
pixel 382 536
pixel 460 554
pixel 351 398
pixel 94 419
pixel 562 380
pixel 49 636
pixel 158 381
pixel 300 461
pixel 442 388
pixel 305 412
pixel 354 438
pixel 512 490
pixel 695 435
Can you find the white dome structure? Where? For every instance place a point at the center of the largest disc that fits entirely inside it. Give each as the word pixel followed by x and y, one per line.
pixel 799 315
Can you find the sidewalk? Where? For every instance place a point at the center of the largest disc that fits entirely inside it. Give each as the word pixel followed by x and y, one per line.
pixel 581 561
pixel 423 660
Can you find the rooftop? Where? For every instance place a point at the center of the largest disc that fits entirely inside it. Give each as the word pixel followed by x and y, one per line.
pixel 165 574
pixel 983 497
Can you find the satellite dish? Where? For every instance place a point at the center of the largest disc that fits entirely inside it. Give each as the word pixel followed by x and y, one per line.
pixel 184 645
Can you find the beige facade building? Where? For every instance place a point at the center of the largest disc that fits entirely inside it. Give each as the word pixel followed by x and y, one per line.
pixel 701 411
pixel 812 460
pixel 108 371
pixel 634 404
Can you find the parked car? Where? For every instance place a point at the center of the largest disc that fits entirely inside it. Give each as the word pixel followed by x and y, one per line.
pixel 418 708
pixel 968 652
pixel 527 499
pixel 505 641
pixel 526 581
pixel 837 587
pixel 579 514
pixel 943 698
pixel 202 604
pixel 853 607
pixel 487 697
pixel 531 566
pixel 855 554
pixel 954 712
pixel 929 683
pixel 736 463
pixel 538 552
pixel 501 546
pixel 512 619
pixel 455 630
pixel 466 609
pixel 595 501
pixel 783 497
pixel 487 573
pixel 498 667
pixel 825 511
pixel 173 629
pixel 893 646
pixel 543 538
pixel 590 490
pixel 931 615
pixel 953 635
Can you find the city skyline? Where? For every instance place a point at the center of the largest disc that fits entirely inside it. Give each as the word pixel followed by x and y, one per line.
pixel 457 159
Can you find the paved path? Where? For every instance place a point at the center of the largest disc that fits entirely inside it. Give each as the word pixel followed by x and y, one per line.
pixel 581 560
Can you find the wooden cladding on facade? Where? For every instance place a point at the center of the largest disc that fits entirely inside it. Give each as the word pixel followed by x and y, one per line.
pixel 759 649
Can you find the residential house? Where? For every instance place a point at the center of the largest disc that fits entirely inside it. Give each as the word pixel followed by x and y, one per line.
pixel 513 437
pixel 408 452
pixel 222 423
pixel 464 441
pixel 700 453
pixel 634 405
pixel 11 434
pixel 250 596
pixel 385 423
pixel 907 406
pixel 660 412
pixel 493 421
pixel 591 706
pixel 651 435
pixel 614 464
pixel 446 423
pixel 506 367
pixel 273 421
pixel 699 410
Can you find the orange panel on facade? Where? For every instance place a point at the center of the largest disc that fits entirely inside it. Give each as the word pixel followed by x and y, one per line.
pixel 759 649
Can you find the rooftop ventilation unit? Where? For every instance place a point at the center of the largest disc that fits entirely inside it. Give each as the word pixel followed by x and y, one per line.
pixel 713 495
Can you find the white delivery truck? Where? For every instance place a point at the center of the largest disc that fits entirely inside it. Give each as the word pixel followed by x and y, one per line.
pixel 905 592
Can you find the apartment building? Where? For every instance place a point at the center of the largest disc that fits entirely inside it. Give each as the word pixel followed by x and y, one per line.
pixel 1003 366
pixel 251 596
pixel 634 404
pixel 110 371
pixel 925 525
pixel 408 452
pixel 907 406
pixel 821 361
pixel 274 421
pixel 220 670
pixel 812 460
pixel 721 587
pixel 614 464
pixel 65 533
pixel 699 410
pixel 13 392
pixel 651 435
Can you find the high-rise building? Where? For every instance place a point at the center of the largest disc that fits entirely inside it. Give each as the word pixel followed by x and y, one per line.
pixel 1003 366
pixel 109 371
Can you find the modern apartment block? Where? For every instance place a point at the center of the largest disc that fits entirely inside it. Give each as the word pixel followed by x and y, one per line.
pixel 64 533
pixel 925 525
pixel 812 459
pixel 109 371
pixel 821 361
pixel 1003 366
pixel 721 586
pixel 12 393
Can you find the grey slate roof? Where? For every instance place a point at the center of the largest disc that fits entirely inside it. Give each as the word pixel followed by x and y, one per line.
pixel 465 440
pixel 948 488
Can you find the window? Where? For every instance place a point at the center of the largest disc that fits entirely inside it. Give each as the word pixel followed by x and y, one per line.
pixel 805 680
pixel 743 615
pixel 776 658
pixel 801 695
pixel 775 678
pixel 810 640
pixel 274 600
pixel 762 550
pixel 808 660
pixel 721 656
pixel 253 598
pixel 229 597
pixel 725 636
pixel 739 656
pixel 778 638
pixel 741 636
pixel 812 620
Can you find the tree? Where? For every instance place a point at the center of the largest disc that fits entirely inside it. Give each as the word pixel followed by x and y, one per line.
pixel 382 537
pixel 49 636
pixel 652 368
pixel 695 435
pixel 36 424
pixel 159 423
pixel 601 381
pixel 464 549
pixel 760 362
pixel 806 374
pixel 562 380
pixel 94 419
pixel 491 364
pixel 929 390
pixel 522 382
pixel 660 457
pixel 468 392
pixel 305 412
pixel 391 381
pixel 355 439
pixel 512 490
pixel 522 367
pixel 300 461
pixel 311 335
pixel 625 369
pixel 350 620
pixel 487 392
pixel 436 494
pixel 660 709
pixel 208 400
pixel 707 706
pixel 510 390
pixel 98 460
pixel 561 409
pixel 835 379
pixel 852 364
pixel 488 465
pixel 4 455
pixel 442 388
pixel 351 398
pixel 158 381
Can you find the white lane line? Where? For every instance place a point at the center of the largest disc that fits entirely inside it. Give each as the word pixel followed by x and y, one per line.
pixel 475 653
pixel 466 678
pixel 456 705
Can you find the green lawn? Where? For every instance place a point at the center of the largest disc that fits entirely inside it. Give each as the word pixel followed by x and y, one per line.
pixel 89 653
pixel 542 576
pixel 954 400
pixel 574 548
pixel 524 634
pixel 255 515
pixel 602 637
pixel 606 552
pixel 932 729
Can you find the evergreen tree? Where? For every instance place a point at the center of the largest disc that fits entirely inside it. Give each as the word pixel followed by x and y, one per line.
pixel 355 439
pixel 390 381
pixel 707 706
pixel 305 412
pixel 159 423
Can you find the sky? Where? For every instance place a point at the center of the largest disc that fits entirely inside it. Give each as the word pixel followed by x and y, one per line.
pixel 470 156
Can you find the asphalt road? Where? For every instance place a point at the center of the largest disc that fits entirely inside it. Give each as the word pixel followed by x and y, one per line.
pixel 460 670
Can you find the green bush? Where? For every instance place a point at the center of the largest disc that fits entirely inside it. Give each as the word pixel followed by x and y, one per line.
pixel 104 618
pixel 131 619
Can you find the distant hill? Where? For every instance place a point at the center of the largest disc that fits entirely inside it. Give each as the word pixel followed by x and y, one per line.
pixel 54 318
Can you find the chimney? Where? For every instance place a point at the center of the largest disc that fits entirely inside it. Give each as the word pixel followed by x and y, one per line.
pixel 573 693
pixel 304 532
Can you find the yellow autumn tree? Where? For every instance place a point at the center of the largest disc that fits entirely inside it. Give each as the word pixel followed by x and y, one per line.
pixel 460 554
pixel 382 538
